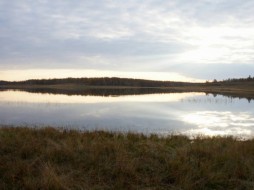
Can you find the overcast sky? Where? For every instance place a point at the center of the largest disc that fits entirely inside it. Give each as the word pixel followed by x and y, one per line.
pixel 176 39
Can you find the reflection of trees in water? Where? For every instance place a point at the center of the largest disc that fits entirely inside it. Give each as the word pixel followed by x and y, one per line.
pixel 232 96
pixel 215 99
pixel 210 100
pixel 101 91
pixel 127 91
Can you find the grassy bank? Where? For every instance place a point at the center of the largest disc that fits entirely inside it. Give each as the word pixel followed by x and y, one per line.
pixel 52 159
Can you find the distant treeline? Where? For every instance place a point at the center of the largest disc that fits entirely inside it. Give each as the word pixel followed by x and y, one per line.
pixel 114 81
pixel 106 81
pixel 230 81
pixel 239 79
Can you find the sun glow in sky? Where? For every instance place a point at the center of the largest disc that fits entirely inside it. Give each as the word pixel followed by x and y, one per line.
pixel 17 75
pixel 154 39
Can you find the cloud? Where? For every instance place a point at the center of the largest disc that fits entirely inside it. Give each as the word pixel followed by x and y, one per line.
pixel 118 35
pixel 213 71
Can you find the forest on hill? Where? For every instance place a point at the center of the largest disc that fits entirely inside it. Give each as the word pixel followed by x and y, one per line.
pixel 105 81
pixel 124 82
pixel 242 87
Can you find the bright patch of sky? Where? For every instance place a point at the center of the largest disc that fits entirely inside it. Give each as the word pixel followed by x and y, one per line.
pixel 185 39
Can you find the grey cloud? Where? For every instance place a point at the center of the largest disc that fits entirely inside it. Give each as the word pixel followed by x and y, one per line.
pixel 213 71
pixel 60 32
pixel 210 12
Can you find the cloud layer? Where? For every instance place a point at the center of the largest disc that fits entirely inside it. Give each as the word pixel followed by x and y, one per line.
pixel 213 36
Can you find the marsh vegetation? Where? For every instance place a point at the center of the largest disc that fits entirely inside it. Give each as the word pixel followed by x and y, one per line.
pixel 49 158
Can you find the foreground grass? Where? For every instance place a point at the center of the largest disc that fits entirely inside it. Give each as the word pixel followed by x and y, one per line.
pixel 52 159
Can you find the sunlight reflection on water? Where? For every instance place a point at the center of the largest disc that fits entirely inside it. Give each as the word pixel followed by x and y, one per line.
pixel 220 123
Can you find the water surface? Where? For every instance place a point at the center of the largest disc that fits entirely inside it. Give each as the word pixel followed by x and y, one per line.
pixel 187 113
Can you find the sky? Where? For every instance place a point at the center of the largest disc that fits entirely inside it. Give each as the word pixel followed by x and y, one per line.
pixel 181 40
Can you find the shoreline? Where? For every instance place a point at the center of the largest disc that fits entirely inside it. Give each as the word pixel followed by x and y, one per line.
pixel 240 91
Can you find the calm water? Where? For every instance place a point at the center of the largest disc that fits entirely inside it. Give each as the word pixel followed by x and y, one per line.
pixel 188 113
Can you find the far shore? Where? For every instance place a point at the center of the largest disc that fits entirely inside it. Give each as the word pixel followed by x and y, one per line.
pixel 241 88
pixel 245 90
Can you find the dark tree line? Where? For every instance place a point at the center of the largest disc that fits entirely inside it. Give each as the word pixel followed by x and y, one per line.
pixel 230 81
pixel 239 79
pixel 106 81
pixel 3 82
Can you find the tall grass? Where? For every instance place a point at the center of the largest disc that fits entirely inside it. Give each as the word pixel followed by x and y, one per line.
pixel 52 159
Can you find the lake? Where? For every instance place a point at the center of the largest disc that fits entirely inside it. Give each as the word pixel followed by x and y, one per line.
pixel 185 113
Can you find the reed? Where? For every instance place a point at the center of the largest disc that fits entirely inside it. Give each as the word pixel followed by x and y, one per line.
pixel 49 158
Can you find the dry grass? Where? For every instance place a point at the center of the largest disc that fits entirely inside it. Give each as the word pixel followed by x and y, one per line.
pixel 52 159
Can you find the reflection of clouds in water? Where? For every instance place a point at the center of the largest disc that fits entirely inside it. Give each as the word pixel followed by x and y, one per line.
pixel 220 123
pixel 95 113
pixel 187 113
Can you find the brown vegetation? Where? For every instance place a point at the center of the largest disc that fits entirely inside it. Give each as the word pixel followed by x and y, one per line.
pixel 59 159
